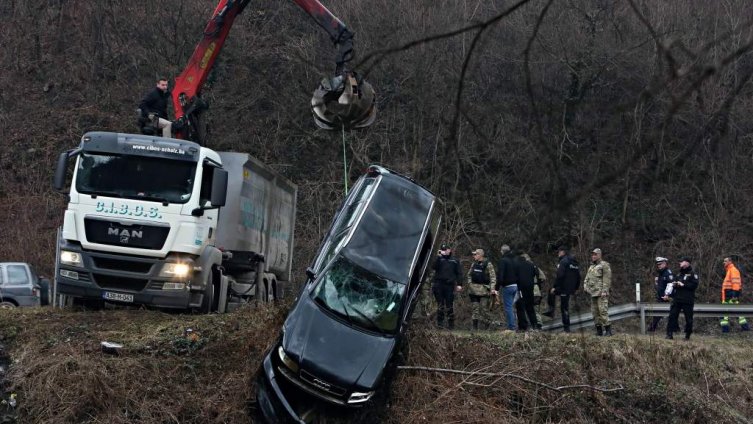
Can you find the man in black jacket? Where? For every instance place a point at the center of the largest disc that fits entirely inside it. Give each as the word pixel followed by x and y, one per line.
pixel 527 274
pixel 507 281
pixel 566 283
pixel 154 107
pixel 448 277
pixel 683 298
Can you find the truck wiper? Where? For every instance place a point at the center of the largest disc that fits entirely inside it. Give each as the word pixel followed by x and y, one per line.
pixel 105 193
pixel 155 198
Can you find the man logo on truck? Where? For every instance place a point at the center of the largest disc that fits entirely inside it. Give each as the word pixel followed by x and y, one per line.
pixel 124 234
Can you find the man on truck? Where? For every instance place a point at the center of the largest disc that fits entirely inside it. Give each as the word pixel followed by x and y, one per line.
pixel 153 108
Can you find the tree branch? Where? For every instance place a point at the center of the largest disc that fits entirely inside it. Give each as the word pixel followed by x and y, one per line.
pixel 513 376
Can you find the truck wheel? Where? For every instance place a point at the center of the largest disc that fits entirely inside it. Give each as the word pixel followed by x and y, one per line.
pixel 211 299
pixel 7 305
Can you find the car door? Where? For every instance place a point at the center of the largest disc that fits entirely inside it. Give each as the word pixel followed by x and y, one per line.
pixel 19 284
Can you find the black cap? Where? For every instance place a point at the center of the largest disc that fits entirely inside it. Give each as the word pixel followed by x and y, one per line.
pixel 444 246
pixel 685 259
pixel 563 248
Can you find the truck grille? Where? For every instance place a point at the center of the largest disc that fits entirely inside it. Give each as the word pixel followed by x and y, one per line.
pixel 121 265
pixel 119 283
pixel 116 233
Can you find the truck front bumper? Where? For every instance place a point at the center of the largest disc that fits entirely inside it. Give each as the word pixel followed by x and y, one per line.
pixel 138 276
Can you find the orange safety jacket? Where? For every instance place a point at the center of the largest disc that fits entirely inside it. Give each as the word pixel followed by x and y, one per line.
pixel 732 280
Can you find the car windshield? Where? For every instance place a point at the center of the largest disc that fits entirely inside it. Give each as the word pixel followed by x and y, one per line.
pixel 364 298
pixel 135 177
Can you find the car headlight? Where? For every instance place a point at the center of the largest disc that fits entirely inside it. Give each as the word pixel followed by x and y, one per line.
pixel 358 397
pixel 70 258
pixel 287 360
pixel 178 270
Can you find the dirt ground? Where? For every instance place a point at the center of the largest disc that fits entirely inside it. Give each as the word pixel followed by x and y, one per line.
pixel 176 368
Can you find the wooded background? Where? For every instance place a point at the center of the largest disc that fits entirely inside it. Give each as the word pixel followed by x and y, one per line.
pixel 621 125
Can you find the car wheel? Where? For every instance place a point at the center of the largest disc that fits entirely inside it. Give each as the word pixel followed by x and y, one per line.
pixel 7 305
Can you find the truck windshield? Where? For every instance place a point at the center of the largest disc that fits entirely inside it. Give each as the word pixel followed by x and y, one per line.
pixel 364 298
pixel 135 177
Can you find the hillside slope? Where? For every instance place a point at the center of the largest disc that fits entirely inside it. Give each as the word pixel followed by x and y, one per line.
pixel 164 374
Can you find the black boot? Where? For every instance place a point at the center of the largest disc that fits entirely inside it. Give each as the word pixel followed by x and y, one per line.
pixel 549 313
pixel 669 336
pixel 687 336
pixel 475 324
pixel 599 331
pixel 607 330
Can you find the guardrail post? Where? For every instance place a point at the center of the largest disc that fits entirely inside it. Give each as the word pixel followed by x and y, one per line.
pixel 637 292
pixel 643 317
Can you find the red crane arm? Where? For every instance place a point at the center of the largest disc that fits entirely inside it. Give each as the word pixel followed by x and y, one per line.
pixel 190 82
pixel 186 94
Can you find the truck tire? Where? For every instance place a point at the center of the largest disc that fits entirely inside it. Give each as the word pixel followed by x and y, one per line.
pixel 210 300
pixel 7 305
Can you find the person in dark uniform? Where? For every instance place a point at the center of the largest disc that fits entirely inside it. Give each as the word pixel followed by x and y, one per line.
pixel 663 278
pixel 527 274
pixel 448 278
pixel 683 298
pixel 566 283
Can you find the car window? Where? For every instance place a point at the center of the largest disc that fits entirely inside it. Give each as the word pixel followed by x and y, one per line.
pixel 2 275
pixel 346 220
pixel 387 237
pixel 364 298
pixel 17 275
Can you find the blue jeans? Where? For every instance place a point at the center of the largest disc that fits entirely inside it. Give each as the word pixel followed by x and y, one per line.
pixel 508 297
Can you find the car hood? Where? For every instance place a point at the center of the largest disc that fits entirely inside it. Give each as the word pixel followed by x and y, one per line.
pixel 333 350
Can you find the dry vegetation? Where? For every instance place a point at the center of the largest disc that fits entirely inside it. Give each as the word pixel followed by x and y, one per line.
pixel 163 376
pixel 619 124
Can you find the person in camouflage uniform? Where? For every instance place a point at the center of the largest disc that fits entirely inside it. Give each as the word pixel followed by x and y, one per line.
pixel 537 287
pixel 597 283
pixel 481 281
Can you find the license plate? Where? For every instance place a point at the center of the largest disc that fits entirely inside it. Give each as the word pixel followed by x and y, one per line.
pixel 119 297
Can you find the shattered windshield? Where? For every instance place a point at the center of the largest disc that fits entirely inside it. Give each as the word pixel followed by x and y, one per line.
pixel 135 177
pixel 360 296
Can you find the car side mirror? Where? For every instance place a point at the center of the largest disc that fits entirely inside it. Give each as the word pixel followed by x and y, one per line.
pixel 310 273
pixel 218 196
pixel 58 182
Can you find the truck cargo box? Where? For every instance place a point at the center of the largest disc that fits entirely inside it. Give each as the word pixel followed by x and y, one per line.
pixel 259 215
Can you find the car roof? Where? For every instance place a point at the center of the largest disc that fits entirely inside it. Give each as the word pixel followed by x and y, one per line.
pixel 386 239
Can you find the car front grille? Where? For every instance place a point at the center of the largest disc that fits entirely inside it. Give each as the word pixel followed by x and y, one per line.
pixel 321 384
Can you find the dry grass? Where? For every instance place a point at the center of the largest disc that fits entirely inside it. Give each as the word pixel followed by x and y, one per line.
pixel 162 376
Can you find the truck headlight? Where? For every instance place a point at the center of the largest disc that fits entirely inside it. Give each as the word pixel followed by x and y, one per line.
pixel 177 270
pixel 358 397
pixel 287 360
pixel 70 258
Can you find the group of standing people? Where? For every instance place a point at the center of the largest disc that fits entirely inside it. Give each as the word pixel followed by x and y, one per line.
pixel 680 290
pixel 519 283
pixel 514 279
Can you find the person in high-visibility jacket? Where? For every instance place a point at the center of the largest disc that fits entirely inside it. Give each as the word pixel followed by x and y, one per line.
pixel 731 288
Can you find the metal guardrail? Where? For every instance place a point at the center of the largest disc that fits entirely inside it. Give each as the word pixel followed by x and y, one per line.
pixel 643 310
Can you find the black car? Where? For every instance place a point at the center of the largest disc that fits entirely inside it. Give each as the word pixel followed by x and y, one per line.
pixel 346 325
